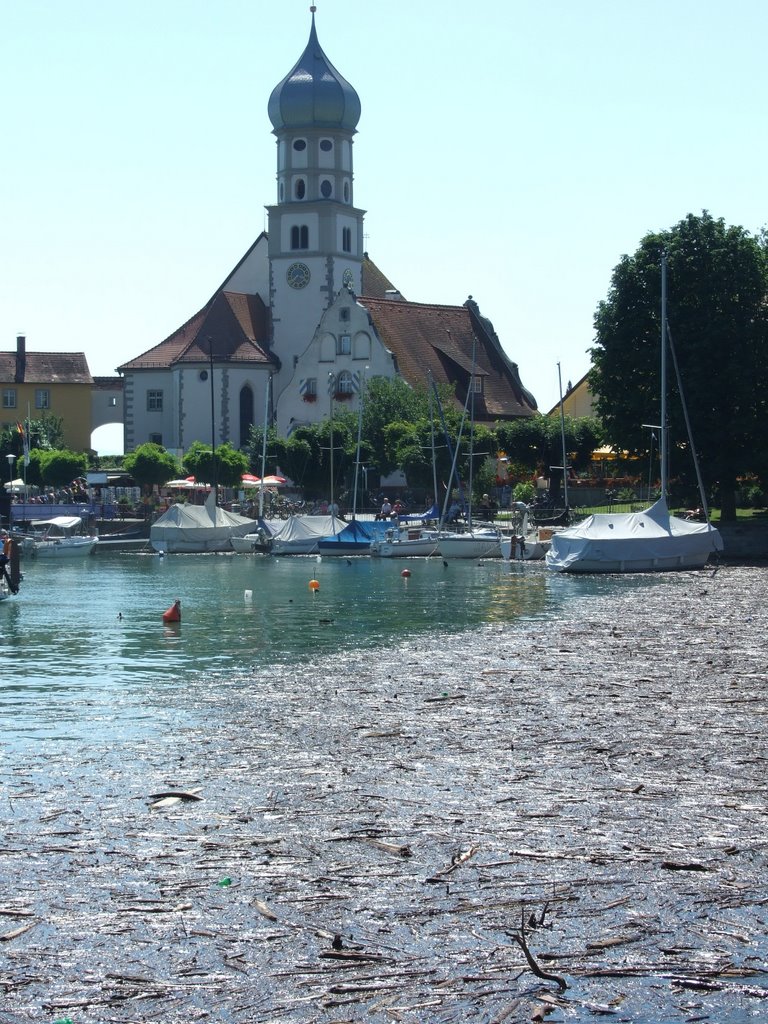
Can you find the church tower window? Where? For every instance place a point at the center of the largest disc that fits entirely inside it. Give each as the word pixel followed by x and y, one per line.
pixel 299 237
pixel 299 145
pixel 326 145
pixel 346 239
pixel 326 188
pixel 301 188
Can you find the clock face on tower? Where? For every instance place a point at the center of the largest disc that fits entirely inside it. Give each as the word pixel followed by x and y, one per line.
pixel 347 278
pixel 297 275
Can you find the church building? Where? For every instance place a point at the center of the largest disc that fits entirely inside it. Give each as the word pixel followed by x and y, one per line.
pixel 306 317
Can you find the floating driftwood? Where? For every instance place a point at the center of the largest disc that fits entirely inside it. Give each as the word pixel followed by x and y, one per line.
pixel 612 776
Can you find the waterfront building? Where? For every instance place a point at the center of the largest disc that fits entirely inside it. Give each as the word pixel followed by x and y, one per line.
pixel 306 306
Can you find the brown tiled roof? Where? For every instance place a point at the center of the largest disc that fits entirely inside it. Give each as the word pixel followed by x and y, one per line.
pixel 439 339
pixel 238 325
pixel 45 368
pixel 108 383
pixel 374 282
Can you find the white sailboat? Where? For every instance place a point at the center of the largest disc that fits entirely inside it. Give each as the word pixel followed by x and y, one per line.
pixel 59 537
pixel 649 541
pixel 415 536
pixel 476 541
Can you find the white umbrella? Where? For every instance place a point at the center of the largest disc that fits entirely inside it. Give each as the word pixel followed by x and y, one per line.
pixel 14 486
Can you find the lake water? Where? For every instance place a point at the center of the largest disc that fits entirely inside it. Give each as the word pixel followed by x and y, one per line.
pixel 589 749
pixel 88 634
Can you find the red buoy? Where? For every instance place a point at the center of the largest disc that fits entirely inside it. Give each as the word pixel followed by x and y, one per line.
pixel 405 573
pixel 173 614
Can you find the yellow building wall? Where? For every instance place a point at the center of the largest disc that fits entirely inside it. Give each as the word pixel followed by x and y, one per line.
pixel 579 402
pixel 70 402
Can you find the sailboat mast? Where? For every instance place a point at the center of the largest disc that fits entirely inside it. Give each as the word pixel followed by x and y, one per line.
pixel 432 441
pixel 359 441
pixel 663 421
pixel 562 437
pixel 264 448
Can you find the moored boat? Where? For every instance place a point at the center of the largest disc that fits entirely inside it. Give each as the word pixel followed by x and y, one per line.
pixel 58 537
pixel 194 529
pixel 652 540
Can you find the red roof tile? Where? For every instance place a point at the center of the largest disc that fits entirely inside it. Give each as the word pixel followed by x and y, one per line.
pixel 440 339
pixel 45 368
pixel 237 323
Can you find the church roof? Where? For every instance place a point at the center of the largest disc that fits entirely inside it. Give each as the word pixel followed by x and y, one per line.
pixel 44 368
pixel 375 283
pixel 313 94
pixel 440 340
pixel 238 325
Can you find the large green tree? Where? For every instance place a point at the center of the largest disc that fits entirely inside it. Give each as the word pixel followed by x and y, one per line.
pixel 718 319
pixel 150 464
pixel 230 464
pixel 58 468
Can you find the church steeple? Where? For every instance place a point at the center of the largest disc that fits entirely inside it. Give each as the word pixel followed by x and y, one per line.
pixel 313 94
pixel 315 231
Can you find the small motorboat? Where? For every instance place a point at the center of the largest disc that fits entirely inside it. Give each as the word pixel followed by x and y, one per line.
pixel 59 537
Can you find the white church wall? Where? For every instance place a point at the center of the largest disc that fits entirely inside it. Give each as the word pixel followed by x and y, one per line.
pixel 329 357
pixel 251 277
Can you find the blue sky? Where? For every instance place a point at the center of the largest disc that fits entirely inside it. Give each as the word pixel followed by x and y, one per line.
pixel 509 150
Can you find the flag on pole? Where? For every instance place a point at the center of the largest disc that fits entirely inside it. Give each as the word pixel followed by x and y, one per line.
pixel 25 441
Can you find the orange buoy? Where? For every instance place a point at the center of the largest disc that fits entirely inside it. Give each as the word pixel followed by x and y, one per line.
pixel 173 614
pixel 314 586
pixel 405 573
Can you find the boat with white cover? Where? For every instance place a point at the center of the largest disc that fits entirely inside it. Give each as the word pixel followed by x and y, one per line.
pixel 652 540
pixel 301 535
pixel 196 529
pixel 58 537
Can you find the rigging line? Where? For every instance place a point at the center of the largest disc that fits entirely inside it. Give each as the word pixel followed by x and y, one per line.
pixel 699 480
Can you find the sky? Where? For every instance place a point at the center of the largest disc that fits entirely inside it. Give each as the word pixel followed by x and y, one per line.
pixel 508 150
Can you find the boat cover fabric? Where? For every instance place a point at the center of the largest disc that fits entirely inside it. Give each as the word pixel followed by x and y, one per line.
pixel 623 541
pixel 303 528
pixel 358 533
pixel 194 528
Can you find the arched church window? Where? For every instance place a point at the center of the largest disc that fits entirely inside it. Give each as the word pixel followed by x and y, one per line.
pixel 246 413
pixel 344 383
pixel 361 348
pixel 346 239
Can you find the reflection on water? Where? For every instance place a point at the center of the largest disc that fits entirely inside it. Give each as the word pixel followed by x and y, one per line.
pixel 87 638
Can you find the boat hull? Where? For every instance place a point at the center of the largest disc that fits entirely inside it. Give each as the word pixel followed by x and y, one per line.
pixel 250 543
pixel 533 550
pixel 470 545
pixel 64 548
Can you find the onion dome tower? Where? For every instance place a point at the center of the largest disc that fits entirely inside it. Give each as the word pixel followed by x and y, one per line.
pixel 315 231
